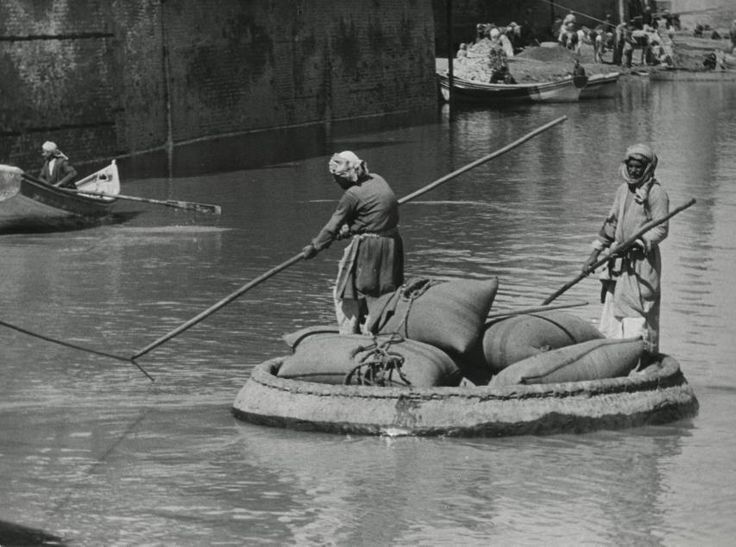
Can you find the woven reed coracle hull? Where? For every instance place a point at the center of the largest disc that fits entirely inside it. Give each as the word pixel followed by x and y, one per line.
pixel 659 395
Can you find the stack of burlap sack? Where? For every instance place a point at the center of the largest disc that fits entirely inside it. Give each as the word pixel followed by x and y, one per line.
pixel 437 333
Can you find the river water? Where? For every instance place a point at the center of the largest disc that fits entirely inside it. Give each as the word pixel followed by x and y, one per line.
pixel 93 451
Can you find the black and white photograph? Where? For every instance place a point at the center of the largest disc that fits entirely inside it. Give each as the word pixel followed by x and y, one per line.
pixel 367 272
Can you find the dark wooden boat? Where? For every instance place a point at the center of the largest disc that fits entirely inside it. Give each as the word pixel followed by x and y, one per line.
pixel 26 203
pixel 567 89
pixel 659 394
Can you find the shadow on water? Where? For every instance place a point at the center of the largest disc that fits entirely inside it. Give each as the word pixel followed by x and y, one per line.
pixel 69 225
pixel 12 535
pixel 264 148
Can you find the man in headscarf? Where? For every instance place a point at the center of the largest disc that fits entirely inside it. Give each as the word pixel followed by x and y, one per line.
pixel 568 36
pixel 56 169
pixel 631 283
pixel 373 262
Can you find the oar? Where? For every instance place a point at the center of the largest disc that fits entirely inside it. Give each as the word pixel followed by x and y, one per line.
pixel 190 205
pixel 296 258
pixel 618 249
pixel 535 309
pixel 178 204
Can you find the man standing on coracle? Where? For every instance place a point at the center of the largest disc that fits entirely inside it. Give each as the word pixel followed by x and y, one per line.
pixel 373 262
pixel 631 285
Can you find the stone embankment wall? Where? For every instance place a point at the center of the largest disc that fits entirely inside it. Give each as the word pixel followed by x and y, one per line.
pixel 145 81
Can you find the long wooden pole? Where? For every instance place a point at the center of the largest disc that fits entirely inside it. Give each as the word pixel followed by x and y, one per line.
pixel 618 249
pixel 212 309
pixel 476 163
pixel 296 258
pixel 534 309
pixel 450 56
pixel 74 346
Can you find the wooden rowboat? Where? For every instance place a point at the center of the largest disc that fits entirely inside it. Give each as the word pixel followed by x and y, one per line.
pixel 659 394
pixel 567 89
pixel 30 204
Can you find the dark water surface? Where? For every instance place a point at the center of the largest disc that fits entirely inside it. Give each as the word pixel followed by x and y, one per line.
pixel 91 450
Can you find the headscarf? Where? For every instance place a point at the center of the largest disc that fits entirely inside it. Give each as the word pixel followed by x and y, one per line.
pixel 348 166
pixel 51 147
pixel 645 154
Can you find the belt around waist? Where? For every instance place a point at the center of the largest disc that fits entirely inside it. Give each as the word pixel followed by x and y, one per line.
pixel 391 232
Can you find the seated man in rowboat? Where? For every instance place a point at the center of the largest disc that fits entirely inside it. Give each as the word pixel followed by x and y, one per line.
pixel 373 262
pixel 56 169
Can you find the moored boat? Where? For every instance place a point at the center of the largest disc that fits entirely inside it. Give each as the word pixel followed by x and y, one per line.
pixel 479 92
pixel 27 203
pixel 601 86
pixel 658 394
pixel 568 89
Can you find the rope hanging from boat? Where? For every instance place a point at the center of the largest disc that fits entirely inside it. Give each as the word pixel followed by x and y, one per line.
pixel 379 366
pixel 75 346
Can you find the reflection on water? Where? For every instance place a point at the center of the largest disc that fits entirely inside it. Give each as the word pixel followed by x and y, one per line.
pixel 420 491
pixel 90 449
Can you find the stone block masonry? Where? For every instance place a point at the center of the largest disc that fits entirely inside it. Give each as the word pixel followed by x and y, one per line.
pixel 141 78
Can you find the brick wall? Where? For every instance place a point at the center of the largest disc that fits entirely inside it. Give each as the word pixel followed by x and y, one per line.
pixel 123 78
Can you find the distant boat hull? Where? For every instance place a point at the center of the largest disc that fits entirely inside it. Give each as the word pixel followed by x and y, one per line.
pixel 601 86
pixel 564 90
pixel 694 75
pixel 27 204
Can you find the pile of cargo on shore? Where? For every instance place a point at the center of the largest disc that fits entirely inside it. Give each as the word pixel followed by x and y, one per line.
pixel 709 50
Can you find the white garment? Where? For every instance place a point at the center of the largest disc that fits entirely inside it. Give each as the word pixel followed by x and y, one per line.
pixel 620 327
pixel 348 310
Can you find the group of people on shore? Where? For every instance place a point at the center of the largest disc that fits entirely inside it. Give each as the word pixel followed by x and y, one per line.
pixel 372 264
pixel 641 33
pixel 486 58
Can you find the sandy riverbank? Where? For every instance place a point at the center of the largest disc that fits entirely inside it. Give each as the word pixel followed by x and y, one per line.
pixel 551 62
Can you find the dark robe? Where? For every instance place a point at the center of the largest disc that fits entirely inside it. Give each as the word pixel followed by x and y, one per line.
pixel 63 173
pixel 376 259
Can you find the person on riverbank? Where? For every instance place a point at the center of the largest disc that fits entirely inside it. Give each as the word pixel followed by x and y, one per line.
pixel 631 283
pixel 568 36
pixel 373 262
pixel 600 41
pixel 56 169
